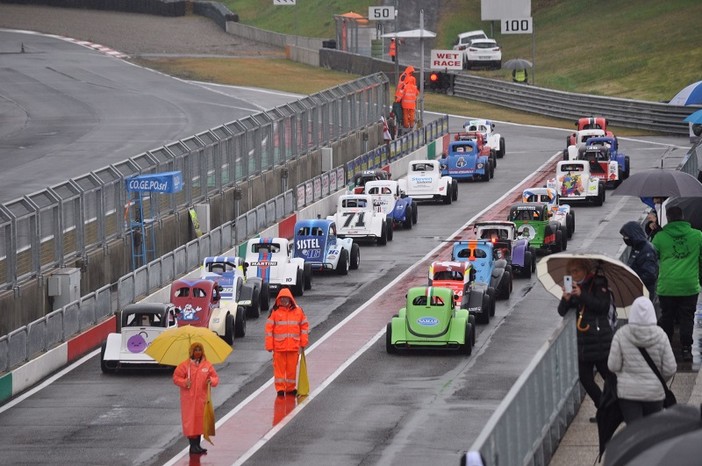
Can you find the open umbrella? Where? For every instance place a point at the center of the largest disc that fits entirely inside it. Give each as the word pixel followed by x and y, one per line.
pixel 624 283
pixel 659 182
pixel 171 346
pixel 690 95
pixel 692 209
pixel 517 64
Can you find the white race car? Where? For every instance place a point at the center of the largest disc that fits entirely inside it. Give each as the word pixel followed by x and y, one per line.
pixel 492 139
pixel 577 140
pixel 137 326
pixel 229 272
pixel 270 259
pixel 574 182
pixel 562 213
pixel 359 216
pixel 424 182
pixel 400 209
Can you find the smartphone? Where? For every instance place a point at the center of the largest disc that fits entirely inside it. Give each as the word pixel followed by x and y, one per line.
pixel 568 283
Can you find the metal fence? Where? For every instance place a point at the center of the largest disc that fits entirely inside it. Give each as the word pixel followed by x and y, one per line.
pixel 652 116
pixel 27 342
pixel 45 230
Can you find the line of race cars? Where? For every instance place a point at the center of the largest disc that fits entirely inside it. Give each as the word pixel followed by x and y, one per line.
pixel 459 293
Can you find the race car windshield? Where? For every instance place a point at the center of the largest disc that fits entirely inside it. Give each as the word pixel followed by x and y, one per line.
pixel 422 301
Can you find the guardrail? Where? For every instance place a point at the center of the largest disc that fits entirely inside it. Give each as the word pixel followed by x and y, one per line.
pixel 652 116
pixel 27 342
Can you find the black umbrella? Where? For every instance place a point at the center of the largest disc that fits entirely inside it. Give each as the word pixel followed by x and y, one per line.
pixel 517 64
pixel 692 209
pixel 609 415
pixel 675 433
pixel 659 182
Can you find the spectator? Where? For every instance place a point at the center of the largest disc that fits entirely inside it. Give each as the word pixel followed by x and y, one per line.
pixel 591 299
pixel 643 258
pixel 392 125
pixel 679 249
pixel 639 390
pixel 520 76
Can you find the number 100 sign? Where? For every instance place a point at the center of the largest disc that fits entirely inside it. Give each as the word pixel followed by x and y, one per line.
pixel 517 26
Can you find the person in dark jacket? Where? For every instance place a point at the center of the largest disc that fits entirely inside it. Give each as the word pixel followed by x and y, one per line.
pixel 643 258
pixel 591 300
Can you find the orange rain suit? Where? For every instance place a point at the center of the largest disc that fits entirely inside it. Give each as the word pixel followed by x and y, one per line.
pixel 193 399
pixel 409 71
pixel 409 102
pixel 287 331
pixel 393 49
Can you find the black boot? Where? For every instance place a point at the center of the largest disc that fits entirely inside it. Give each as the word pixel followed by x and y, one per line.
pixel 202 450
pixel 195 448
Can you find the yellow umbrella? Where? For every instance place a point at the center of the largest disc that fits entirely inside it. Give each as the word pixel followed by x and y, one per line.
pixel 171 346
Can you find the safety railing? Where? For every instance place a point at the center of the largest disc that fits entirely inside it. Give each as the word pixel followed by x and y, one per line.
pixel 47 229
pixel 25 343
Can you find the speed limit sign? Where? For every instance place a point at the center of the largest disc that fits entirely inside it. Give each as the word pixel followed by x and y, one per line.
pixel 381 13
pixel 516 26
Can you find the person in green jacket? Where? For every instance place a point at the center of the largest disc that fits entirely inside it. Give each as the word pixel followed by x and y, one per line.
pixel 679 248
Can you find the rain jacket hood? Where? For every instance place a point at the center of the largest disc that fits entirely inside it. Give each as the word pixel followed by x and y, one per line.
pixel 634 231
pixel 192 348
pixel 285 292
pixel 642 323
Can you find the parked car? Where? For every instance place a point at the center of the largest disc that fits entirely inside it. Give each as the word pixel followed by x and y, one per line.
pixel 483 53
pixel 316 242
pixel 518 253
pixel 230 272
pixel 464 39
pixel 357 185
pixel 271 260
pixel 357 217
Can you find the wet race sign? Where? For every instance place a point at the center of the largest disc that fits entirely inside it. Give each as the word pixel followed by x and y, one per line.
pixel 450 60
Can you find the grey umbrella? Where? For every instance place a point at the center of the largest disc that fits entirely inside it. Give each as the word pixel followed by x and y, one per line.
pixel 692 209
pixel 659 182
pixel 517 64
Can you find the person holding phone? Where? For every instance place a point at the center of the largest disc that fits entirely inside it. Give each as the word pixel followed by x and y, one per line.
pixel 590 299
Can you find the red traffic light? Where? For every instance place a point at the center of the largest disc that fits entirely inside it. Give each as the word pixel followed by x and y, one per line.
pixel 434 77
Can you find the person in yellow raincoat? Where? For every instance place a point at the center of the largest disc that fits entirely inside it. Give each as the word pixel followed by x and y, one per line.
pixel 287 332
pixel 193 377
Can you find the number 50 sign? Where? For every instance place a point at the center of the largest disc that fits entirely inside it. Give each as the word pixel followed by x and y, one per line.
pixel 516 26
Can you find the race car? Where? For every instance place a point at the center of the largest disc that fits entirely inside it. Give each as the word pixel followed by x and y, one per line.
pixel 357 185
pixel 356 217
pixel 562 213
pixel 229 271
pixel 400 209
pixel 425 182
pixel 481 144
pixel 463 161
pixel 270 259
pixel 460 277
pixel 317 244
pixel 137 326
pixel 506 245
pixel 577 140
pixel 607 149
pixel 493 140
pixel 533 222
pixel 574 182
pixel 200 305
pixel 429 321
pixel 587 123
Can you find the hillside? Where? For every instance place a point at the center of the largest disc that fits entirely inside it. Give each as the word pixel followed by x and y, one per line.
pixel 645 50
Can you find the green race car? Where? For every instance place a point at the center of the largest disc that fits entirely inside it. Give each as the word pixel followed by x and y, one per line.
pixel 533 222
pixel 430 321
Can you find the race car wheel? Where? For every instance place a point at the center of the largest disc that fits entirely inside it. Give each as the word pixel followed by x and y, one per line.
pixel 505 289
pixel 407 223
pixel 390 230
pixel 307 275
pixel 448 198
pixel 467 346
pixel 627 164
pixel 383 238
pixel 471 319
pixel 503 149
pixel 355 256
pixel 557 245
pixel 389 347
pixel 564 237
pixel 570 224
pixel 298 289
pixel 484 317
pixel 107 367
pixel 240 323
pixel 229 329
pixel 526 269
pixel 454 187
pixel 414 212
pixel 342 267
pixel 265 297
pixel 254 311
pixel 493 295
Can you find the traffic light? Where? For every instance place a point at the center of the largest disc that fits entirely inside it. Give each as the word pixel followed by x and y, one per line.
pixel 439 81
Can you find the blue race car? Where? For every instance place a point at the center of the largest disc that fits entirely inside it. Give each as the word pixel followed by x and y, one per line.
pixel 463 161
pixel 396 204
pixel 316 242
